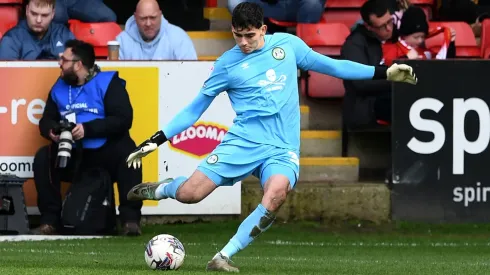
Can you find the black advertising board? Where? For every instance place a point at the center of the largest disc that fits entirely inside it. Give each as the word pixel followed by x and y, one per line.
pixel 440 138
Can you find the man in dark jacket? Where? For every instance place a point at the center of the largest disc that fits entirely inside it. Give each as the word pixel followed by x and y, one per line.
pixel 36 37
pixel 98 103
pixel 367 101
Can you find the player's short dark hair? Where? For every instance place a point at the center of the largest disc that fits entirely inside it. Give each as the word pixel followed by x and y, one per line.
pixel 376 7
pixel 83 51
pixel 247 15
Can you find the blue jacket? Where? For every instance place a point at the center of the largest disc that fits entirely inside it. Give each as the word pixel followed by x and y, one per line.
pixel 20 44
pixel 87 102
pixel 171 43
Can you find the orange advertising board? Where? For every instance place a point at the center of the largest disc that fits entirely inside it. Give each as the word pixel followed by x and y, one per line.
pixel 22 98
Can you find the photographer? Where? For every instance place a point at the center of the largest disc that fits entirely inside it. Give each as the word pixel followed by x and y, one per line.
pixel 99 108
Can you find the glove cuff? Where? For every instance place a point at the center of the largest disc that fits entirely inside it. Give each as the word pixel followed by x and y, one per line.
pixel 380 72
pixel 159 138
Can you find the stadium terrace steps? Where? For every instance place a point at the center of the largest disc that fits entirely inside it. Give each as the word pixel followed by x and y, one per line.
pixel 305 117
pixel 317 201
pixel 217 14
pixel 325 169
pixel 211 43
pixel 321 143
pixel 219 18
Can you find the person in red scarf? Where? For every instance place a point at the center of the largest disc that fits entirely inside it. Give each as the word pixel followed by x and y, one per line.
pixel 413 31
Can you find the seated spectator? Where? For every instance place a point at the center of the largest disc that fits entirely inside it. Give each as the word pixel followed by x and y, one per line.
pixel 414 29
pixel 301 11
pixel 104 135
pixel 397 7
pixel 149 36
pixel 36 37
pixel 84 10
pixel 367 101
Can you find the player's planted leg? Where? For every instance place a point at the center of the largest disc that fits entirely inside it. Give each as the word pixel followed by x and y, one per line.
pixel 275 193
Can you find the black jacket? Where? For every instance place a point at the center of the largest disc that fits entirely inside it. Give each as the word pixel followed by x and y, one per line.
pixel 363 47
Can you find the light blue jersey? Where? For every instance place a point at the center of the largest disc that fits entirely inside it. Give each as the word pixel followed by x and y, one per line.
pixel 263 90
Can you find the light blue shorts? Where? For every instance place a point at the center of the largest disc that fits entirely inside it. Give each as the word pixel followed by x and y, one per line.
pixel 231 162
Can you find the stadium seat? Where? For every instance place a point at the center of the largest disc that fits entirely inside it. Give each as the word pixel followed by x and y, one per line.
pixel 19 2
pixel 10 17
pixel 97 34
pixel 336 4
pixel 286 24
pixel 327 39
pixel 485 39
pixel 345 16
pixel 466 45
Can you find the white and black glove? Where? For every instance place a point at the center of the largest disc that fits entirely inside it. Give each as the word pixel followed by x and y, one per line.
pixel 401 73
pixel 148 146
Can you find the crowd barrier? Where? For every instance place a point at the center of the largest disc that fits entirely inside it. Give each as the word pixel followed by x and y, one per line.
pixel 441 131
pixel 158 90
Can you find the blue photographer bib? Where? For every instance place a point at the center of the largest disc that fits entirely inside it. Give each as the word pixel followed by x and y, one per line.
pixel 87 102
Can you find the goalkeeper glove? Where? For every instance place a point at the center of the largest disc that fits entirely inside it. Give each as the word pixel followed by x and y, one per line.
pixel 401 73
pixel 148 146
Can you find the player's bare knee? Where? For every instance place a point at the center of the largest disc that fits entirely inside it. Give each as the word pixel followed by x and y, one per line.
pixel 188 196
pixel 274 199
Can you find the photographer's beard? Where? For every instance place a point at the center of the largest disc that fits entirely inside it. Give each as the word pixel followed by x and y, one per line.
pixel 69 76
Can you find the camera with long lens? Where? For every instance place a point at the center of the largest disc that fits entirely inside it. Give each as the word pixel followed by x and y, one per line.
pixel 66 142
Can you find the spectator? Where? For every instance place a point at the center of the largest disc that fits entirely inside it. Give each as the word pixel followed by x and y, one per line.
pixel 36 37
pixel 397 7
pixel 149 36
pixel 413 31
pixel 83 10
pixel 301 11
pixel 104 135
pixel 367 101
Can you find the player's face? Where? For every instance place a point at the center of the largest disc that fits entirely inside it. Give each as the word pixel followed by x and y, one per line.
pixel 415 39
pixel 39 17
pixel 249 39
pixel 381 26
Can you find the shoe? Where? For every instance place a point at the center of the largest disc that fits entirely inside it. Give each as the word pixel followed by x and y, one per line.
pixel 221 263
pixel 131 229
pixel 146 191
pixel 44 229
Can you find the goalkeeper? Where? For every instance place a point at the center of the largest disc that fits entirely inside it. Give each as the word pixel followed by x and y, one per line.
pixel 260 76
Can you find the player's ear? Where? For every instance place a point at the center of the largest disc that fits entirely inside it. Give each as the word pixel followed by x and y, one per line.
pixel 263 30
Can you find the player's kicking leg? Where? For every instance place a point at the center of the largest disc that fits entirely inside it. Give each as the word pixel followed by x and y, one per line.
pixel 185 190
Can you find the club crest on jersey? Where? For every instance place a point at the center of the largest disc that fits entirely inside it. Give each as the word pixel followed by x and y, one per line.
pixel 212 159
pixel 278 53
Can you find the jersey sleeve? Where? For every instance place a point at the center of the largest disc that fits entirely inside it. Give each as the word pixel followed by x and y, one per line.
pixel 217 81
pixel 307 59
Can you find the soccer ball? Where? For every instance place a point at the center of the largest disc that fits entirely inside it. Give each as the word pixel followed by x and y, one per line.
pixel 164 252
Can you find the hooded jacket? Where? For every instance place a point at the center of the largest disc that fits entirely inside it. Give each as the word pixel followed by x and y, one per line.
pixel 171 43
pixel 19 43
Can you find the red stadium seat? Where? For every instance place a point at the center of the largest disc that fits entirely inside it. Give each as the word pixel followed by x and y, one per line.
pixel 346 16
pixel 19 2
pixel 336 4
pixel 97 34
pixel 283 23
pixel 485 39
pixel 466 45
pixel 10 17
pixel 327 39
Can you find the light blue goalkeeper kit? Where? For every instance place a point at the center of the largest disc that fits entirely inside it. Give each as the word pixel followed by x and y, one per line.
pixel 265 137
